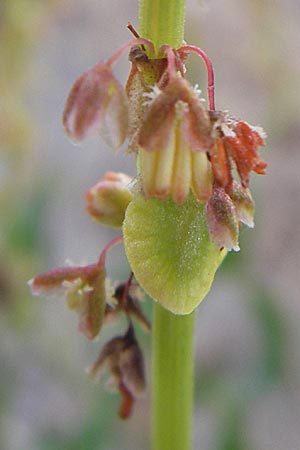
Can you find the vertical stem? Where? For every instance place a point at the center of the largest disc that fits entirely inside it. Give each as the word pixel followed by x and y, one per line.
pixel 162 22
pixel 172 380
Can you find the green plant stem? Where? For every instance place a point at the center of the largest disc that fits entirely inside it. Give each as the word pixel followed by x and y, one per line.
pixel 162 22
pixel 172 380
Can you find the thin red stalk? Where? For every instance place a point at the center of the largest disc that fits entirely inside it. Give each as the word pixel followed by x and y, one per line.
pixel 133 30
pixel 110 245
pixel 210 72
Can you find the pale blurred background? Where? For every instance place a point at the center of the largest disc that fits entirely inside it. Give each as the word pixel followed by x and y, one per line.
pixel 247 333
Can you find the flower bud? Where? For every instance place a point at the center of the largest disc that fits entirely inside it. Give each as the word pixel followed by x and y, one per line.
pixel 84 289
pixel 221 219
pixel 124 359
pixel 97 103
pixel 108 199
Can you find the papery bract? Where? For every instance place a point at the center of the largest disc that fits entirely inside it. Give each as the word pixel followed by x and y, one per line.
pixel 97 103
pixel 124 359
pixel 222 221
pixel 84 289
pixel 244 204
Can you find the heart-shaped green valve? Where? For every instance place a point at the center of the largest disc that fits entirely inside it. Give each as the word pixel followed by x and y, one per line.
pixel 170 252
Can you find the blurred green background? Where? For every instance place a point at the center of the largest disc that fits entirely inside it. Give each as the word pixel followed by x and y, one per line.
pixel 247 330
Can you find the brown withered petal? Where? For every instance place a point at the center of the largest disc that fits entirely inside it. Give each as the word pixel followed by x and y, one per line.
pixel 221 219
pixel 96 103
pixel 84 288
pixel 243 150
pixel 243 202
pixel 124 359
pixel 220 164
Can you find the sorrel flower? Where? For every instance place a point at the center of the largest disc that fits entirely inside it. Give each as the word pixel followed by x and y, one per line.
pixel 124 359
pixel 174 138
pixel 87 291
pixel 97 103
pixel 235 140
pixel 181 214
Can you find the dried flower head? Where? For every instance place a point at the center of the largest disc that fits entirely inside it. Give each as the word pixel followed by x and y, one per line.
pixel 123 358
pixel 237 141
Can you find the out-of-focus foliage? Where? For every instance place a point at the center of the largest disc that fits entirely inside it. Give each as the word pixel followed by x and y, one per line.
pixel 21 196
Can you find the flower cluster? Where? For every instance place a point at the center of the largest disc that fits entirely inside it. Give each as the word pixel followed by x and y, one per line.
pixel 183 148
pixel 187 156
pixel 87 292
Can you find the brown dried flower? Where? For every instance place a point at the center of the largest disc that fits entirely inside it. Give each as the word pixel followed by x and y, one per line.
pixel 124 359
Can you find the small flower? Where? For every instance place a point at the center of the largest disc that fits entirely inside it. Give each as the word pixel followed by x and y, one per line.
pixel 238 141
pixel 97 103
pixel 108 199
pixel 235 141
pixel 84 289
pixel 124 359
pixel 174 138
